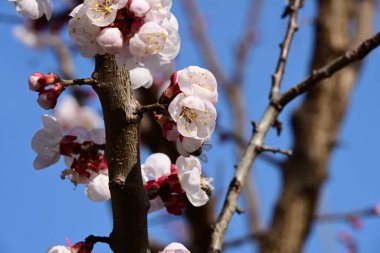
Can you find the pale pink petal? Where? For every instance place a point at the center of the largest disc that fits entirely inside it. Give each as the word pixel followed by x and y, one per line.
pixel 97 189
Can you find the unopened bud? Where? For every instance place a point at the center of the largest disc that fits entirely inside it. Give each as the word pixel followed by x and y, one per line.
pixel 48 99
pixel 36 81
pixel 82 247
pixel 172 91
pixel 52 78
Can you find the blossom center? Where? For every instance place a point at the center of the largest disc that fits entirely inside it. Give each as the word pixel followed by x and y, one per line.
pixel 189 114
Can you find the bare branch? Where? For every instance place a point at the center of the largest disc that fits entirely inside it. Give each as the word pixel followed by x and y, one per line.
pixel 82 81
pixel 262 128
pixel 264 148
pixel 157 107
pixel 331 217
pixel 285 46
pixel 343 61
pixel 95 239
pixel 363 213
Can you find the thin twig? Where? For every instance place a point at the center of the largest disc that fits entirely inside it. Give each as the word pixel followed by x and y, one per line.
pixel 92 239
pixel 269 117
pixel 341 62
pixel 264 148
pixel 363 213
pixel 157 107
pixel 82 81
pixel 285 46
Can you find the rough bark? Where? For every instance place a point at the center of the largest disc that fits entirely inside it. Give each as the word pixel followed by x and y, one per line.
pixel 316 124
pixel 129 201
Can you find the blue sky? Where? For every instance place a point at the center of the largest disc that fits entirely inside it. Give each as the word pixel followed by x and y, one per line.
pixel 39 210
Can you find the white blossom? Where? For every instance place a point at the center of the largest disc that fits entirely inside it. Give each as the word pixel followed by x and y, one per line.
pixel 140 77
pixel 46 143
pixel 155 166
pixel 175 247
pixel 198 82
pixel 189 172
pixel 70 114
pixel 34 9
pixel 84 33
pixel 96 135
pixel 59 249
pixel 186 146
pixel 195 118
pixel 97 189
pixel 160 9
pixel 103 12
pixel 150 40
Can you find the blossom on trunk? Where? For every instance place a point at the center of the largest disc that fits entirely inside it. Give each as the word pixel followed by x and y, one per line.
pixel 195 118
pixel 198 82
pixel 189 172
pixel 97 189
pixel 103 12
pixel 175 247
pixel 46 143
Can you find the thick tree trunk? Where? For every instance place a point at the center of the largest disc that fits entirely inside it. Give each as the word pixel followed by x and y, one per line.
pixel 316 124
pixel 129 201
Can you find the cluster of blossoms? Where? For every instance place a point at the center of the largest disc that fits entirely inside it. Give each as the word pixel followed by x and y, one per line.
pixel 167 184
pixel 47 97
pixel 83 151
pixel 85 247
pixel 143 34
pixel 191 96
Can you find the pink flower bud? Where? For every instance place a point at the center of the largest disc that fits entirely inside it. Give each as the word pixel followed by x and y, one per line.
pixel 82 247
pixel 36 81
pixel 51 78
pixel 47 99
pixel 172 91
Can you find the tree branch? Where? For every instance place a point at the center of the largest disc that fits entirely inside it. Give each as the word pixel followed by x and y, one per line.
pixel 157 107
pixel 95 239
pixel 269 117
pixel 285 46
pixel 341 62
pixel 264 148
pixel 129 200
pixel 82 81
